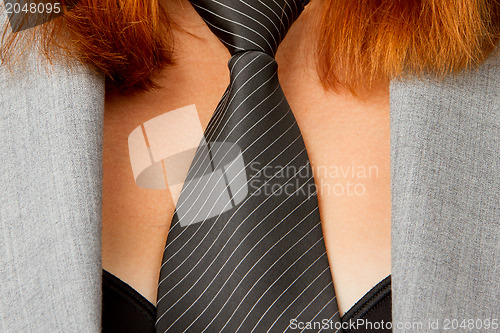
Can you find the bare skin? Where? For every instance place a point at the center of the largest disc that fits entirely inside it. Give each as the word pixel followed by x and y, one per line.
pixel 340 132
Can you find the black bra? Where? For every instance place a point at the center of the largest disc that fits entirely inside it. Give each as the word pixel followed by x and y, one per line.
pixel 124 310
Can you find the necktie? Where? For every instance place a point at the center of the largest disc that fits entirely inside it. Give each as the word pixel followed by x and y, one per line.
pixel 245 250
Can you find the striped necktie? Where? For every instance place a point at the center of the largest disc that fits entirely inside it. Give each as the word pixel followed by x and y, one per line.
pixel 245 250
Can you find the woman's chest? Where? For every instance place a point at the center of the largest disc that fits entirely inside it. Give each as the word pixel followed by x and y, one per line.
pixel 347 142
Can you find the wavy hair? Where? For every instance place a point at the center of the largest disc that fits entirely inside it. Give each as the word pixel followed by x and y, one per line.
pixel 359 41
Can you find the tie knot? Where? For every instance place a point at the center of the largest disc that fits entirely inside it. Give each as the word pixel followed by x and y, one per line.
pixel 244 25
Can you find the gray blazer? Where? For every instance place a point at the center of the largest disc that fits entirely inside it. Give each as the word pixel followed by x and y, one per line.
pixel 445 148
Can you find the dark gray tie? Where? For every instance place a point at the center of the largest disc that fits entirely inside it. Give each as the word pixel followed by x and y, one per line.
pixel 245 250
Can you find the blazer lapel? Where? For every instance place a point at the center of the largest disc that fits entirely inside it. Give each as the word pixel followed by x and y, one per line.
pixel 50 203
pixel 445 148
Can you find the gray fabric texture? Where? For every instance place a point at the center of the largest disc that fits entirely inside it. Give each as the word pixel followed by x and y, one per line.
pixel 50 198
pixel 445 165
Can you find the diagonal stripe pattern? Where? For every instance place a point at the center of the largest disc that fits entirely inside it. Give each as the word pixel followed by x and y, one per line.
pixel 260 264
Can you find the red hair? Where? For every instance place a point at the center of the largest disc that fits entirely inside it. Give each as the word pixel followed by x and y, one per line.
pixel 363 41
pixel 359 42
pixel 126 40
